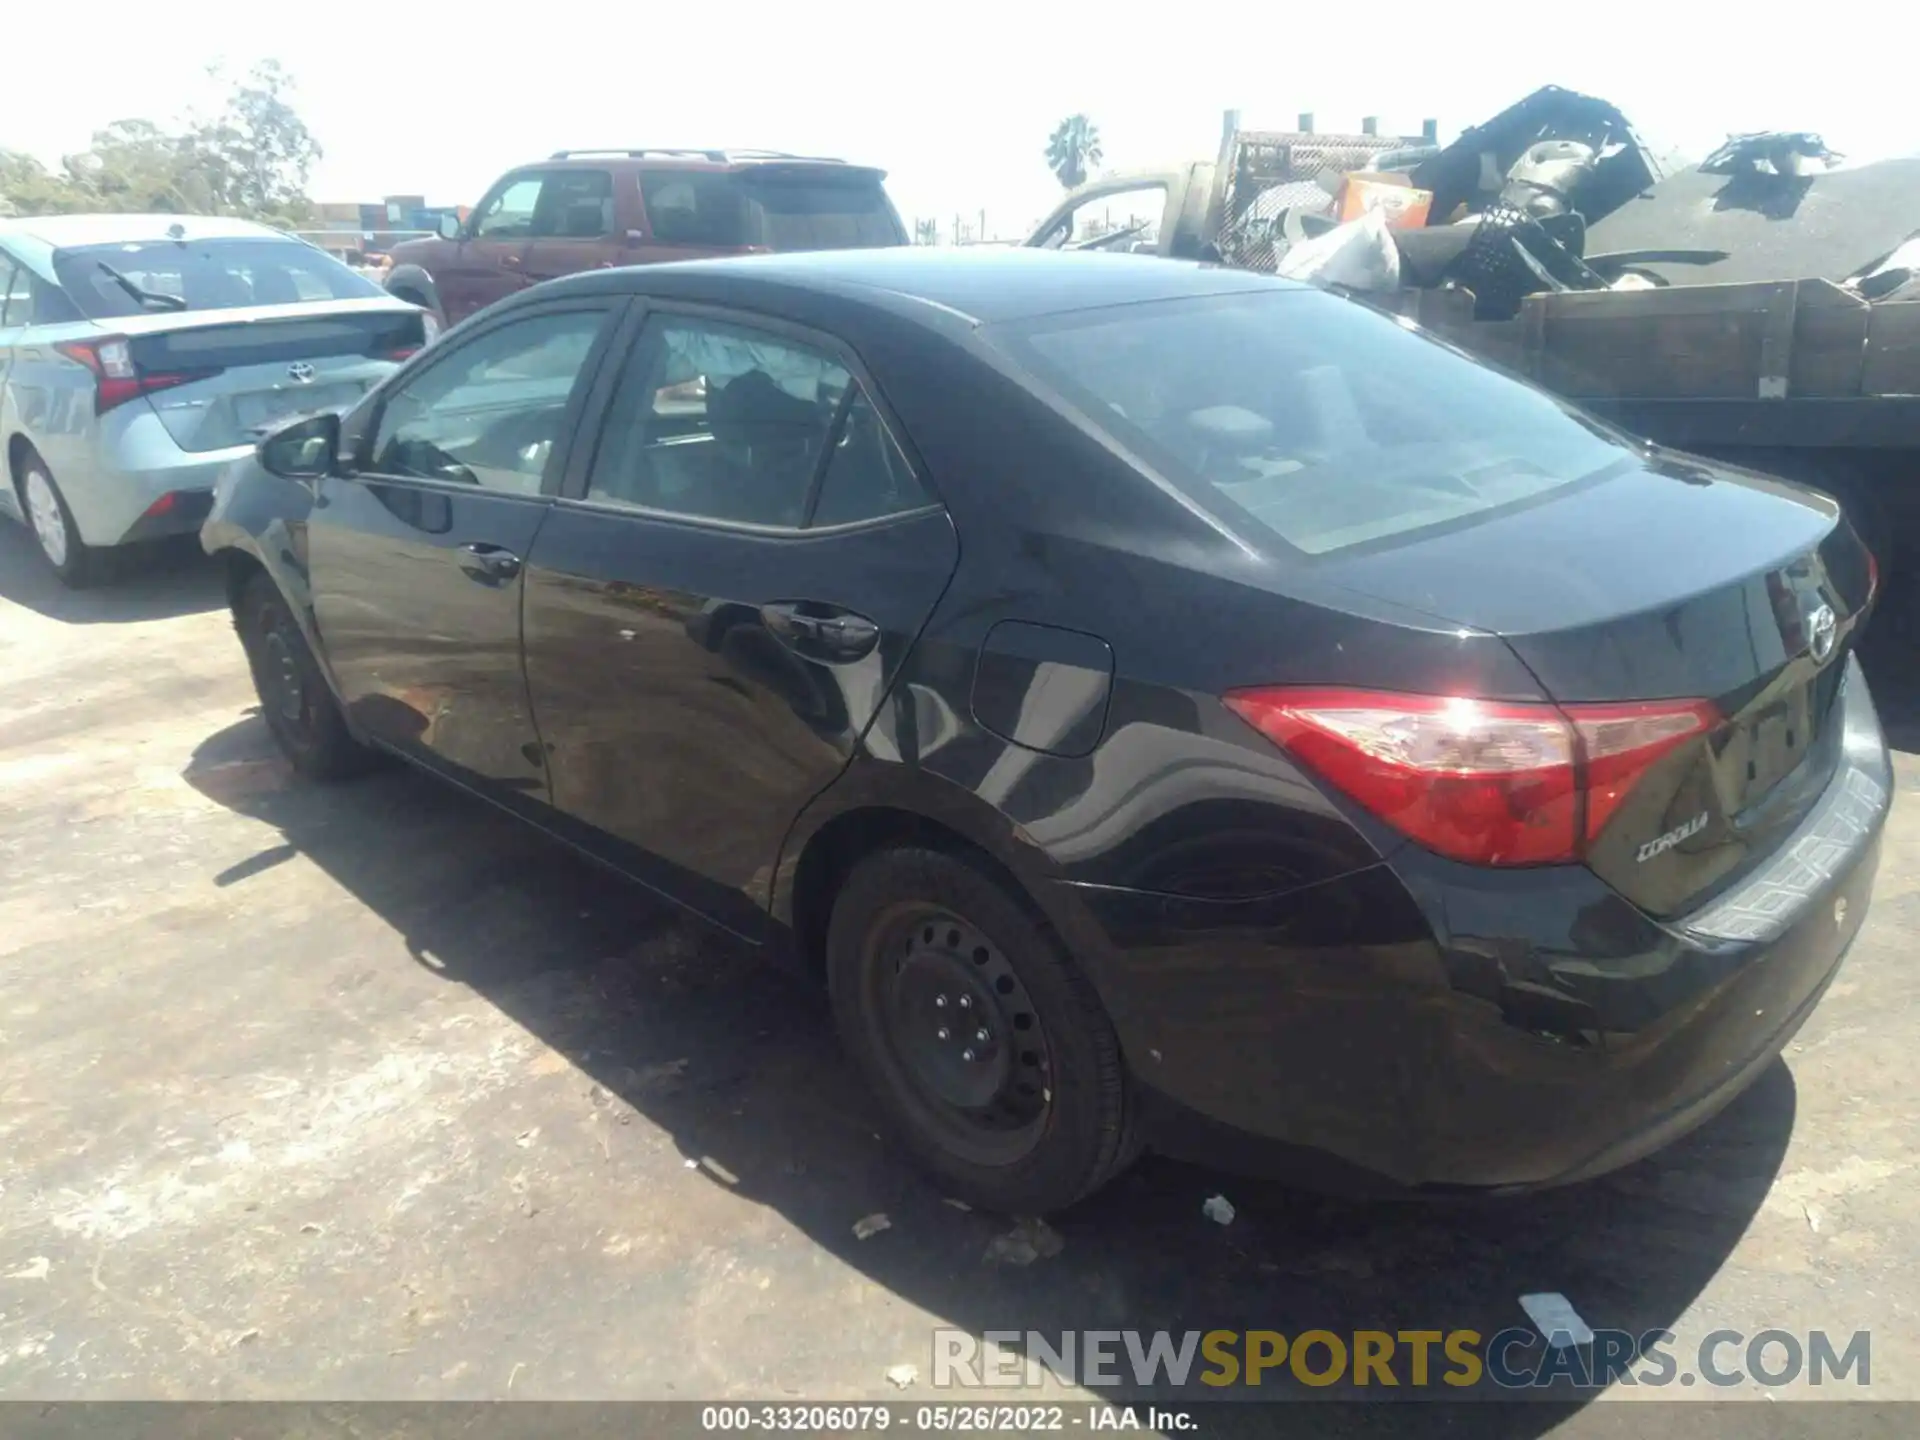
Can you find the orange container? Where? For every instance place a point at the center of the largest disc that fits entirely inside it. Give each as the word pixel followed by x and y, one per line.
pixel 1405 207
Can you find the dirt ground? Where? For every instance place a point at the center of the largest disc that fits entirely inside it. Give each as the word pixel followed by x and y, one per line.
pixel 368 1092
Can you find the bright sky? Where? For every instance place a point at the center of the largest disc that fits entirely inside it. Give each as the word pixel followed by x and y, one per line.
pixel 955 103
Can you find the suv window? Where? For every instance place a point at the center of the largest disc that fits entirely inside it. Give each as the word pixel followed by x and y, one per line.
pixel 1311 416
pixel 784 211
pixel 575 205
pixel 507 214
pixel 489 412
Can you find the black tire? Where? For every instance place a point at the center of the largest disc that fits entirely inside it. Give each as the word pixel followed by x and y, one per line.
pixel 907 921
pixel 294 697
pixel 77 564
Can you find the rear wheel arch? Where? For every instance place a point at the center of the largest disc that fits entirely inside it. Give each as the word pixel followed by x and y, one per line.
pixel 830 854
pixel 413 284
pixel 19 449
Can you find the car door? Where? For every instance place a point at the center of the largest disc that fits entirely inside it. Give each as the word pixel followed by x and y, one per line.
pixel 721 598
pixel 488 261
pixel 415 556
pixel 574 226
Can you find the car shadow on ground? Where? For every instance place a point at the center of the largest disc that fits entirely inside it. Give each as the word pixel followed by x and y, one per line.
pixel 150 582
pixel 737 1062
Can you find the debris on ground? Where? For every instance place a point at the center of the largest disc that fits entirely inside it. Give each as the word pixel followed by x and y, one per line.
pixel 1557 1321
pixel 1218 1209
pixel 1816 1217
pixel 870 1225
pixel 903 1375
pixel 1031 1239
pixel 719 1172
pixel 37 1268
pixel 956 1204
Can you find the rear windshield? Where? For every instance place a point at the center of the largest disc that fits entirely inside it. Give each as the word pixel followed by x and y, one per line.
pixel 722 209
pixel 1325 422
pixel 156 277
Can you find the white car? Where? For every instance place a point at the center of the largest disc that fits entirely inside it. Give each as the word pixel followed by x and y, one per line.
pixel 140 355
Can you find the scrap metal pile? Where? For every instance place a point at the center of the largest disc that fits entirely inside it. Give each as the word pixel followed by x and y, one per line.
pixel 1557 194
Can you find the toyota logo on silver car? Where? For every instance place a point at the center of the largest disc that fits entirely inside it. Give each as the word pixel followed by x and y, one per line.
pixel 1822 629
pixel 300 372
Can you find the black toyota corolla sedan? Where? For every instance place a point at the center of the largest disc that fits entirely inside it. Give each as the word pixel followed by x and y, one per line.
pixel 1164 705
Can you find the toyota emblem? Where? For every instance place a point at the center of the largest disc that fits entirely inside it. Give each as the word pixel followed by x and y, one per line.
pixel 1822 629
pixel 301 373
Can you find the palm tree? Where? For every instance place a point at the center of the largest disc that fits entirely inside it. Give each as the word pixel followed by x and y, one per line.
pixel 926 232
pixel 1072 148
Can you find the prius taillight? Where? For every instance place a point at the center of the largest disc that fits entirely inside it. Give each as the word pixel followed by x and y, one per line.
pixel 1487 782
pixel 116 379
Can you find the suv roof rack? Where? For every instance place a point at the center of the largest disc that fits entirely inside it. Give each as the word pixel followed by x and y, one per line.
pixel 718 157
pixel 641 153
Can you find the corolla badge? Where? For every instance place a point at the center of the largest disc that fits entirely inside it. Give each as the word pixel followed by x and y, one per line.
pixel 1823 627
pixel 300 372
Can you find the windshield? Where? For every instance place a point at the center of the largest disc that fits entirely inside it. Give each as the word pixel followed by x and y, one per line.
pixel 1326 423
pixel 694 207
pixel 160 276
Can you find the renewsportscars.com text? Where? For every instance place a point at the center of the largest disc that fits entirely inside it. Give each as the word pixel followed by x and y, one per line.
pixel 1443 1360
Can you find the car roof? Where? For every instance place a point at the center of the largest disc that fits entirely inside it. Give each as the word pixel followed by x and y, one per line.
pixel 982 284
pixel 60 232
pixel 651 158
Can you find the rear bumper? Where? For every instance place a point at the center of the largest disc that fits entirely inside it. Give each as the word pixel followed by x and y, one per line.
pixel 1422 1024
pixel 117 480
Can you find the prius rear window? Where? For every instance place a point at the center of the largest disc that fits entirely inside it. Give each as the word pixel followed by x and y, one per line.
pixel 1326 423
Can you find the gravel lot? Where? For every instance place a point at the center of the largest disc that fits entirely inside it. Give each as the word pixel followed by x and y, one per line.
pixel 370 1093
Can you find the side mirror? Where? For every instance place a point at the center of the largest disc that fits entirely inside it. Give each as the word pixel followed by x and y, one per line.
pixel 304 450
pixel 449 227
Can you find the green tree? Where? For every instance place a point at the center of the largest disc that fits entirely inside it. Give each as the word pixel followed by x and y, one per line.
pixel 926 232
pixel 28 188
pixel 251 159
pixel 257 153
pixel 1073 147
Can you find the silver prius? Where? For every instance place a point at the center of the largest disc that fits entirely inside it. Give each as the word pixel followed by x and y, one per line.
pixel 140 355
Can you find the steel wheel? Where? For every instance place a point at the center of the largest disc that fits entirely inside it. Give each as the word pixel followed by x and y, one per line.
pixel 984 1044
pixel 47 517
pixel 281 686
pixel 959 1028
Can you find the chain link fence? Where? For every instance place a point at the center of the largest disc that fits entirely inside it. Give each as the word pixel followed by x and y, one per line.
pixel 1276 178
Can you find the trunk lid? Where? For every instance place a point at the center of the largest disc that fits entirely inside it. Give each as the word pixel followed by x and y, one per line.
pixel 1663 581
pixel 247 370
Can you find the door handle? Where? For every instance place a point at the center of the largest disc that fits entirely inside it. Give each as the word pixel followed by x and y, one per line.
pixel 512 262
pixel 821 632
pixel 489 564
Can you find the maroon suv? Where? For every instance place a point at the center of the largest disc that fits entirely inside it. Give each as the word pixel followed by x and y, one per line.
pixel 592 209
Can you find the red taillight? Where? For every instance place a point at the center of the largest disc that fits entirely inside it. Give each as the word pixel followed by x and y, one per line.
pixel 116 379
pixel 1482 781
pixel 404 352
pixel 1873 577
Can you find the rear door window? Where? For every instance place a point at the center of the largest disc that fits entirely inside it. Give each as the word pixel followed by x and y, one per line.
pixel 779 209
pixel 1313 418
pixel 727 422
pixel 575 205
